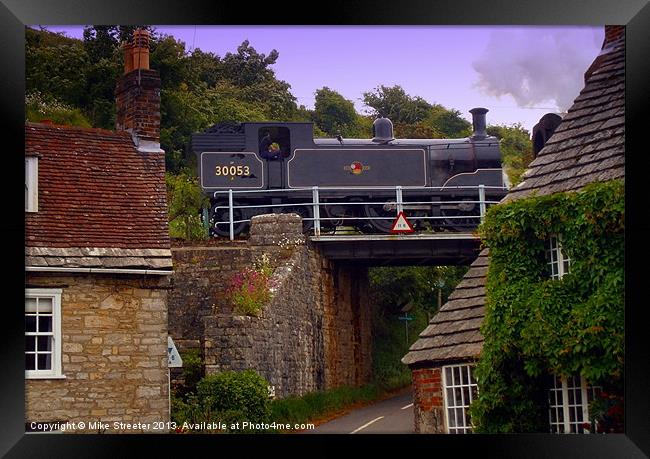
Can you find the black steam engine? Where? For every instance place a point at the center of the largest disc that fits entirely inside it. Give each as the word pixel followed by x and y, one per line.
pixel 268 156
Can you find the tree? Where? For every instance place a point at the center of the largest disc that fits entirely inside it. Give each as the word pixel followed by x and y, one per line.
pixel 394 103
pixel 516 149
pixel 448 122
pixel 415 131
pixel 185 200
pixel 392 288
pixel 247 66
pixel 334 114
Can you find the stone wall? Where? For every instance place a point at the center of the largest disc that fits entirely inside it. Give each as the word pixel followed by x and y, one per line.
pixel 114 351
pixel 347 324
pixel 427 400
pixel 200 281
pixel 313 334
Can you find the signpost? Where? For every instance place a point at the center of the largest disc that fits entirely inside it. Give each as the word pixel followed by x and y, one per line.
pixel 173 361
pixel 401 225
pixel 406 320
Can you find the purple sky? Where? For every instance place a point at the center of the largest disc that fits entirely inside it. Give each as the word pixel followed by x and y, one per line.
pixel 519 73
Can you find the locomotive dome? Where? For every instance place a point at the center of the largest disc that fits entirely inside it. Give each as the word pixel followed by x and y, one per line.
pixel 382 130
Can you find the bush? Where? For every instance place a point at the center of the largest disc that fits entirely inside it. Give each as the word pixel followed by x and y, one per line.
pixel 238 396
pixel 39 107
pixel 192 369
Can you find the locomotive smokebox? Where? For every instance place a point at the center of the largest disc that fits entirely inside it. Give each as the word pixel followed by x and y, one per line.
pixel 479 123
pixel 382 130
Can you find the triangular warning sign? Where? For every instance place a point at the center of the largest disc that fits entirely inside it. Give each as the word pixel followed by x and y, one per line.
pixel 402 225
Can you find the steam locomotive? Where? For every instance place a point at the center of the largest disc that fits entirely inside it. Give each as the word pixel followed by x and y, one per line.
pixel 268 156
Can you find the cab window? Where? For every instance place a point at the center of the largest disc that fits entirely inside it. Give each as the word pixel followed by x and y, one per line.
pixel 274 142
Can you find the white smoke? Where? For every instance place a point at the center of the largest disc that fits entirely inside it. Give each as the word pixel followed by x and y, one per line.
pixel 538 65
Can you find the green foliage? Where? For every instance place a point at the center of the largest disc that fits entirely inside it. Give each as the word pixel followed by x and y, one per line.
pixel 250 289
pixel 235 396
pixel 535 326
pixel 227 397
pixel 185 201
pixel 39 108
pixel 192 368
pixel 516 149
pixel 391 290
pixel 322 403
pixel 414 117
pixel 394 103
pixel 448 122
pixel 334 114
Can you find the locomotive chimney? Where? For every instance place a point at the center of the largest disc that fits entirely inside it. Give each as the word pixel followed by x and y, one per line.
pixel 479 123
pixel 137 95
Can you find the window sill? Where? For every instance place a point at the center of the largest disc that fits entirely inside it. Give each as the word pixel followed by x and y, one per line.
pixel 45 377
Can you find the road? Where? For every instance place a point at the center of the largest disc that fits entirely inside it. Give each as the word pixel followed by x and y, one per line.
pixel 393 415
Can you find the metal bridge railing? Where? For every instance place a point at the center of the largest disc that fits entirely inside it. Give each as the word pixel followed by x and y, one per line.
pixel 316 203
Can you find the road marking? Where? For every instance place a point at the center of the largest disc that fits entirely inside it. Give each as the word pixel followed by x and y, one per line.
pixel 407 406
pixel 367 424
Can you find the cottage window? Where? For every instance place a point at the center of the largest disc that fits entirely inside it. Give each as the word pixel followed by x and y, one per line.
pixel 31 184
pixel 557 262
pixel 460 389
pixel 43 333
pixel 569 400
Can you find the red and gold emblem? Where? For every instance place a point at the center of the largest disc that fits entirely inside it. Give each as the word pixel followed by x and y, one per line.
pixel 356 167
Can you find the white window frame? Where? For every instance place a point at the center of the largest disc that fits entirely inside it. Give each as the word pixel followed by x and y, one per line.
pixel 555 258
pixel 464 405
pixel 56 371
pixel 587 394
pixel 31 184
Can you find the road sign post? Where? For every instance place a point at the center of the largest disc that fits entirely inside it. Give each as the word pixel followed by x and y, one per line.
pixel 401 225
pixel 406 320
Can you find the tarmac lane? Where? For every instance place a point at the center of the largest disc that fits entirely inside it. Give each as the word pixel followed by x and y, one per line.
pixel 391 416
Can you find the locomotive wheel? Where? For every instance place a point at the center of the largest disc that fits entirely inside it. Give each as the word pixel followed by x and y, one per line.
pixel 304 212
pixel 223 215
pixel 377 210
pixel 463 219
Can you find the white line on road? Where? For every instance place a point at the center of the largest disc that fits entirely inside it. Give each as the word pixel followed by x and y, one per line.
pixel 367 424
pixel 407 406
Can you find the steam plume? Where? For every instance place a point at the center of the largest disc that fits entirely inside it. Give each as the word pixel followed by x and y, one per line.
pixel 538 65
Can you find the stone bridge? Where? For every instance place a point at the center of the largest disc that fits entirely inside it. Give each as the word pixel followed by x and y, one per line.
pixel 315 332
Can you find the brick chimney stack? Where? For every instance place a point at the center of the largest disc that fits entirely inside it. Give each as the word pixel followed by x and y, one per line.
pixel 614 35
pixel 137 95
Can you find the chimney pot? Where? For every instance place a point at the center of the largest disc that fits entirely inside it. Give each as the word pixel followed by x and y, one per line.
pixel 479 122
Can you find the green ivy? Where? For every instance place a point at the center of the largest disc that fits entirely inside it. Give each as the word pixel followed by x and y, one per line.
pixel 535 326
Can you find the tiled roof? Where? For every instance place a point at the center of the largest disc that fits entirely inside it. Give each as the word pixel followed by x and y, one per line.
pixel 453 333
pixel 589 144
pixel 95 190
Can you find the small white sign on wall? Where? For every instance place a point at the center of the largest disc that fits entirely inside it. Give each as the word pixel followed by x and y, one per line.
pixel 173 357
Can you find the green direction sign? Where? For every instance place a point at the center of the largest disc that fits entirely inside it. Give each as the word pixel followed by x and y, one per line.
pixel 406 317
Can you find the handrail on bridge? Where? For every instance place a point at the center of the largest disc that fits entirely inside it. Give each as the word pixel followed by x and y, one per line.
pixel 316 204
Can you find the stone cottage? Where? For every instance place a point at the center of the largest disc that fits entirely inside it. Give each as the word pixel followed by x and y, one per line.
pixel 98 264
pixel 586 147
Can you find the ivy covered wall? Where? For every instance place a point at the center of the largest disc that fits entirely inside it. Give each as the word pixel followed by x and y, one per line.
pixel 536 326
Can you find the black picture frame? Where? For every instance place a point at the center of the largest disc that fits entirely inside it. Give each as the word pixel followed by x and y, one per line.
pixel 635 14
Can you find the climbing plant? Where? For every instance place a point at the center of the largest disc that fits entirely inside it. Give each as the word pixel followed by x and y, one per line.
pixel 535 326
